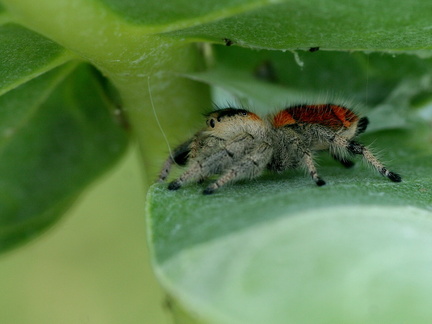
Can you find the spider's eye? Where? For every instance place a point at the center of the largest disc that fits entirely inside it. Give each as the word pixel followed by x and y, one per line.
pixel 244 113
pixel 212 123
pixel 218 119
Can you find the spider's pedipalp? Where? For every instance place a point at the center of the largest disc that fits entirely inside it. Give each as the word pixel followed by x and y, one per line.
pixel 218 149
pixel 179 156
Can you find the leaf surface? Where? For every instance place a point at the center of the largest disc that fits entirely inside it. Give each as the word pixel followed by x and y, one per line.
pixel 26 55
pixel 280 247
pixel 332 25
pixel 57 135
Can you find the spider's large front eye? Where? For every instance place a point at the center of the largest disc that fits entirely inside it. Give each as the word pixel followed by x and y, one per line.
pixel 212 123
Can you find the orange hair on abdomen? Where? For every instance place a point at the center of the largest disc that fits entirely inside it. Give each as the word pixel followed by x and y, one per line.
pixel 329 115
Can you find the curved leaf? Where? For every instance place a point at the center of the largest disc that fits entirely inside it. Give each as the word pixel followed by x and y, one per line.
pixel 382 86
pixel 57 135
pixel 331 25
pixel 174 12
pixel 281 248
pixel 368 78
pixel 25 55
pixel 335 24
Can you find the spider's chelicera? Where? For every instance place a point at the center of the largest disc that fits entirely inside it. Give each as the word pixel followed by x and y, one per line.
pixel 238 144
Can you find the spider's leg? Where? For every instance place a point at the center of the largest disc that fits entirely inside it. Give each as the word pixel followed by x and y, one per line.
pixel 304 154
pixel 360 129
pixel 195 171
pixel 199 169
pixel 340 143
pixel 166 168
pixel 212 161
pixel 357 148
pixel 250 166
pixel 310 165
pixel 179 156
pixel 295 149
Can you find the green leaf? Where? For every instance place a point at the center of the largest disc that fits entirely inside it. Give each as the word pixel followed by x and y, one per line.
pixel 249 200
pixel 26 55
pixel 57 135
pixel 357 76
pixel 205 247
pixel 387 25
pixel 174 12
pixel 382 86
pixel 332 25
pixel 144 40
pixel 282 250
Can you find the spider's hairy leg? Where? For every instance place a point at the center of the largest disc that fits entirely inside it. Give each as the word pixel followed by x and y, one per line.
pixel 357 148
pixel 200 168
pixel 338 143
pixel 250 166
pixel 360 129
pixel 179 156
pixel 213 161
pixel 290 150
pixel 310 165
pixel 195 171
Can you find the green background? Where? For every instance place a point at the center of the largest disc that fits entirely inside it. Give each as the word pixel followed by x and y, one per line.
pixel 93 266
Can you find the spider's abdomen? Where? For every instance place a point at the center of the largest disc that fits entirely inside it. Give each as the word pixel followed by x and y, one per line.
pixel 329 115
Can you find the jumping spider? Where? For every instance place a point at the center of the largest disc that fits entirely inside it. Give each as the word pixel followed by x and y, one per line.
pixel 238 144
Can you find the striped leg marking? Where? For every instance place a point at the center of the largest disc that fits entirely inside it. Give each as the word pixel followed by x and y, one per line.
pixel 312 169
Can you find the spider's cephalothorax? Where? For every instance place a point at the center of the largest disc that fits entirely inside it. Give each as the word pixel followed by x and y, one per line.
pixel 238 144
